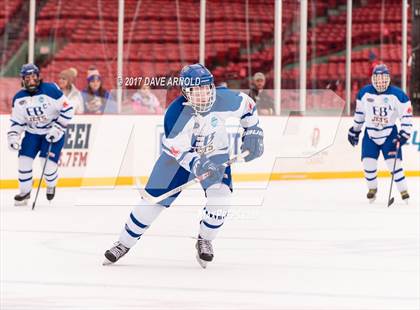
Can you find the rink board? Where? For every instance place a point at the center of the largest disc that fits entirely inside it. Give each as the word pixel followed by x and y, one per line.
pixel 114 150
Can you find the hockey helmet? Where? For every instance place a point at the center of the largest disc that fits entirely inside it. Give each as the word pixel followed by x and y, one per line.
pixel 197 86
pixel 28 70
pixel 381 78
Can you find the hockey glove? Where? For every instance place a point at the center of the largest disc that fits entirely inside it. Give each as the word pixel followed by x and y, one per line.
pixel 55 133
pixel 203 165
pixel 402 137
pixel 13 141
pixel 353 136
pixel 252 141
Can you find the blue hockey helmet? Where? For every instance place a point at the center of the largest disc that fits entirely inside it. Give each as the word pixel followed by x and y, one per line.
pixel 26 70
pixel 197 86
pixel 381 78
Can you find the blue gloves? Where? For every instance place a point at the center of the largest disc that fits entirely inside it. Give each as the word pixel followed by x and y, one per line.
pixel 252 141
pixel 203 165
pixel 353 136
pixel 402 137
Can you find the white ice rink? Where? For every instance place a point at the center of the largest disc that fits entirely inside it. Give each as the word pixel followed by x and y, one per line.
pixel 294 245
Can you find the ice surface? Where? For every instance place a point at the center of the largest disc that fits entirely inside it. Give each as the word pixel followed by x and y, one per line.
pixel 294 245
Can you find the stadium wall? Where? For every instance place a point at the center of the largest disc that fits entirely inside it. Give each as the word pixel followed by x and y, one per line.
pixel 115 150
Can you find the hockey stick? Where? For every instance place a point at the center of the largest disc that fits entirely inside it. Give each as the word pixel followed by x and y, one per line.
pixel 391 199
pixel 42 174
pixel 198 179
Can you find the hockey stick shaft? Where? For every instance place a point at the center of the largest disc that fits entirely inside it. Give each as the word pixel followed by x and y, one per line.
pixel 180 188
pixel 391 200
pixel 42 174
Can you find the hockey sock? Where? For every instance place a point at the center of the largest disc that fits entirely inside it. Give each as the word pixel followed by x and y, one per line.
pixel 138 222
pixel 370 167
pixel 215 211
pixel 399 177
pixel 51 173
pixel 25 174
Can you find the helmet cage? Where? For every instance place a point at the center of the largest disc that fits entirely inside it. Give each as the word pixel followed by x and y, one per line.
pixel 381 81
pixel 200 98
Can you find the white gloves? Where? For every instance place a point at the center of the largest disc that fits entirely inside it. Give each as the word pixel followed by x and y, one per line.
pixel 55 133
pixel 13 141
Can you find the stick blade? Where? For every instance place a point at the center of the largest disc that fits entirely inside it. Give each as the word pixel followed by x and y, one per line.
pixel 391 201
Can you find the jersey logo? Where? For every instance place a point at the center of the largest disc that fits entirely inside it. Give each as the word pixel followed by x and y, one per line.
pixel 386 100
pixel 203 144
pixel 410 110
pixel 251 105
pixel 22 102
pixel 36 114
pixel 174 151
pixel 380 111
pixel 214 121
pixel 380 116
pixel 34 111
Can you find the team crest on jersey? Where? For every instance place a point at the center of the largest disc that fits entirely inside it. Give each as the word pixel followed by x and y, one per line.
pixel 370 100
pixel 386 100
pixel 22 102
pixel 41 99
pixel 214 121
pixel 196 125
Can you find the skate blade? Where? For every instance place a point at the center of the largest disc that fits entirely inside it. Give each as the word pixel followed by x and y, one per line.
pixel 107 262
pixel 202 263
pixel 22 203
pixel 372 200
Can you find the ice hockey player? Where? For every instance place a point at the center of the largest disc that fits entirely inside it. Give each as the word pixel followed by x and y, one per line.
pixel 195 142
pixel 378 106
pixel 41 112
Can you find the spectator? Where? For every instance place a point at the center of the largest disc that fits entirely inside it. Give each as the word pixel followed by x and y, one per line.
pixel 96 99
pixel 265 104
pixel 66 80
pixel 144 101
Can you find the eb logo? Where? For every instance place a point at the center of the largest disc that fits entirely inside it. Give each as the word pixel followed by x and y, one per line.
pixel 34 111
pixel 380 111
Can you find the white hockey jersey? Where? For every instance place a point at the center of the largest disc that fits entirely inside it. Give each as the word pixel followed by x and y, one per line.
pixel 380 111
pixel 189 134
pixel 36 112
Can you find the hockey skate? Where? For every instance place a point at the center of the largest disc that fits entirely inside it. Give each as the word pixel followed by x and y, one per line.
pixel 50 193
pixel 115 253
pixel 405 196
pixel 22 199
pixel 371 195
pixel 204 252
